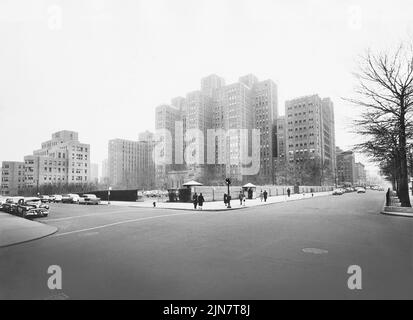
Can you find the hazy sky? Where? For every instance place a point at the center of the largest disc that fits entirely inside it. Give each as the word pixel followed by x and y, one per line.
pixel 100 67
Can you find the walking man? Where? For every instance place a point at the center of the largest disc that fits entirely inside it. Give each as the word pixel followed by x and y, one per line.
pixel 201 201
pixel 225 199
pixel 261 195
pixel 241 197
pixel 195 200
pixel 265 195
pixel 288 192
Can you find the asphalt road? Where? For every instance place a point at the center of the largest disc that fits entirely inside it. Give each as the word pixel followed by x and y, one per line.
pixel 255 253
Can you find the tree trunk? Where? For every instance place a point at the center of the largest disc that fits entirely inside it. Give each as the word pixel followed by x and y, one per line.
pixel 403 182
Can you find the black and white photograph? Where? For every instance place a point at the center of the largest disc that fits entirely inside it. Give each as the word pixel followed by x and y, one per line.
pixel 206 155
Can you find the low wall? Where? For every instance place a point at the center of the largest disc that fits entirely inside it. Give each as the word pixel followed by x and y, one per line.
pixel 211 193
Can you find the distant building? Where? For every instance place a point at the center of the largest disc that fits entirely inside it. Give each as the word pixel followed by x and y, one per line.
pixel 94 173
pixel 310 133
pixel 166 118
pixel 104 176
pixel 346 167
pixel 130 163
pixel 63 159
pixel 360 174
pixel 281 135
pixel 220 113
pixel 12 178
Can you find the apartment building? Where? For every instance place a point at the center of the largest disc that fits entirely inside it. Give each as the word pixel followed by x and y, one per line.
pixel 130 163
pixel 166 119
pixel 360 174
pixel 346 167
pixel 63 159
pixel 228 109
pixel 12 178
pixel 310 133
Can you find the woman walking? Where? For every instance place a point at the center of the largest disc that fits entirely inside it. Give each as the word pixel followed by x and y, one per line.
pixel 201 201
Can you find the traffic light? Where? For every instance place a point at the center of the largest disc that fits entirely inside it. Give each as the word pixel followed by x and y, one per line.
pixel 228 181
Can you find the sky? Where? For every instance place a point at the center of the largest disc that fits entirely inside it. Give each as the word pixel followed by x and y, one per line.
pixel 100 67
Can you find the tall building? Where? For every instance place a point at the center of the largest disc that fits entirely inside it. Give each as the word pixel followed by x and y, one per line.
pixel 281 135
pixel 360 174
pixel 310 133
pixel 346 167
pixel 63 159
pixel 130 163
pixel 233 112
pixel 104 177
pixel 12 178
pixel 94 173
pixel 166 118
pixel 220 113
pixel 265 103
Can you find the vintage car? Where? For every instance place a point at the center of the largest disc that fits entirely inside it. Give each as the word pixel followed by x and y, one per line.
pixel 56 198
pixel 70 198
pixel 2 201
pixel 361 190
pixel 10 205
pixel 338 192
pixel 89 199
pixel 45 199
pixel 32 207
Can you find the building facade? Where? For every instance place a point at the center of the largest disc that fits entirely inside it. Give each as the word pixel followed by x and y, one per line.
pixel 220 114
pixel 130 163
pixel 310 134
pixel 12 178
pixel 360 174
pixel 346 167
pixel 63 159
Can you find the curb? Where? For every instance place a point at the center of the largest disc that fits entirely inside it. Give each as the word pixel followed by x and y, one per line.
pixel 52 231
pixel 395 213
pixel 29 240
pixel 226 209
pixel 184 209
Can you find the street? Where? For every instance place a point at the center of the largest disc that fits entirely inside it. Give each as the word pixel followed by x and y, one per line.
pixel 297 250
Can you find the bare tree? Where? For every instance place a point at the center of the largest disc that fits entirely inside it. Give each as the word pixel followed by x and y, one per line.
pixel 386 95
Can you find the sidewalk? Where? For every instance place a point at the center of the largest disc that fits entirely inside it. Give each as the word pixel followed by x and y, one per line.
pixel 397 210
pixel 218 205
pixel 14 230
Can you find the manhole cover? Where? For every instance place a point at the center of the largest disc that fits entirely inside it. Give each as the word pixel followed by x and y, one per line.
pixel 315 251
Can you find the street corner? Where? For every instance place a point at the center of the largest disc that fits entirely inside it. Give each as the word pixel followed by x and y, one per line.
pixel 15 230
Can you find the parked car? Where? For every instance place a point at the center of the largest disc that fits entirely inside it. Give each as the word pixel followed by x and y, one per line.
pixel 10 205
pixel 70 198
pixel 2 201
pixel 361 190
pixel 32 207
pixel 338 192
pixel 90 199
pixel 56 198
pixel 44 199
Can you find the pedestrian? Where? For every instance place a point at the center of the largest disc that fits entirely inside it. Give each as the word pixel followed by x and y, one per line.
pixel 225 199
pixel 241 197
pixel 195 200
pixel 261 196
pixel 388 201
pixel 244 198
pixel 265 195
pixel 201 201
pixel 288 192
